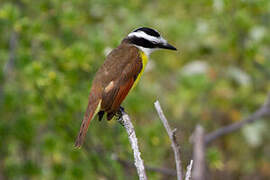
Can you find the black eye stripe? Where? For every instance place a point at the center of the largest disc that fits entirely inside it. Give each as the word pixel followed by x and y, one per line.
pixel 148 31
pixel 142 42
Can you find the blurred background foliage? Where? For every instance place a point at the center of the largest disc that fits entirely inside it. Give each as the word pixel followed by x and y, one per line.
pixel 51 49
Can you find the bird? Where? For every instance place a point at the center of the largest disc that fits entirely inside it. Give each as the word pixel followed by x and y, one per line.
pixel 120 73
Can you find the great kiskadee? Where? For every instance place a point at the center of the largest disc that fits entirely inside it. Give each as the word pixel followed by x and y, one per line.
pixel 120 73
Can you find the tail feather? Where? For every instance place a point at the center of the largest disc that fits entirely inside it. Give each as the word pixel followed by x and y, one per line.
pixel 91 111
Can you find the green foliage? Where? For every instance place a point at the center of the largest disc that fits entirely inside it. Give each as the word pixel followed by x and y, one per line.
pixel 219 76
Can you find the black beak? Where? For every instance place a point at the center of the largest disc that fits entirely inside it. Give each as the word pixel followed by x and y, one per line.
pixel 167 46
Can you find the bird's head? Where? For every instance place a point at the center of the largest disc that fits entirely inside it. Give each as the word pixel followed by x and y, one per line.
pixel 148 40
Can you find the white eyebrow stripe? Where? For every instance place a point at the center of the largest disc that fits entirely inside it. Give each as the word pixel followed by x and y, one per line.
pixel 162 40
pixel 142 34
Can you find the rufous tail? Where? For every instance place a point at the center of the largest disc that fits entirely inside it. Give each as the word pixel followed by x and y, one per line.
pixel 91 111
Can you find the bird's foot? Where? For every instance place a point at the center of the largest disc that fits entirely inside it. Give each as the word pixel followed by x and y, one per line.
pixel 122 110
pixel 119 115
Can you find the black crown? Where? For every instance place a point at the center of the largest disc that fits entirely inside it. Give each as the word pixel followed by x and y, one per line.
pixel 148 31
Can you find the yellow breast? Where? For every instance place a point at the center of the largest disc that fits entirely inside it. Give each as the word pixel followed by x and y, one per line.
pixel 144 62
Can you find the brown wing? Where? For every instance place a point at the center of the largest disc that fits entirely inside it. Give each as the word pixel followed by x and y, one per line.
pixel 126 82
pixel 112 99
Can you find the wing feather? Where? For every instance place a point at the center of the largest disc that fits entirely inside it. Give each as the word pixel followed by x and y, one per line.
pixel 112 99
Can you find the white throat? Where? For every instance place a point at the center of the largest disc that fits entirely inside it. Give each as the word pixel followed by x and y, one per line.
pixel 147 51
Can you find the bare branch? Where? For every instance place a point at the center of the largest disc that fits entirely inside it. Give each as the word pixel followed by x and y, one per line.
pixel 189 168
pixel 263 111
pixel 198 154
pixel 125 121
pixel 172 136
pixel 126 163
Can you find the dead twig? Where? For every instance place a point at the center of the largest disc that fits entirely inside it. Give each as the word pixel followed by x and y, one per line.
pixel 189 168
pixel 174 144
pixel 263 111
pixel 198 172
pixel 125 121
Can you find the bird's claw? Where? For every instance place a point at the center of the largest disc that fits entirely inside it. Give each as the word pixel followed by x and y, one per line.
pixel 119 115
